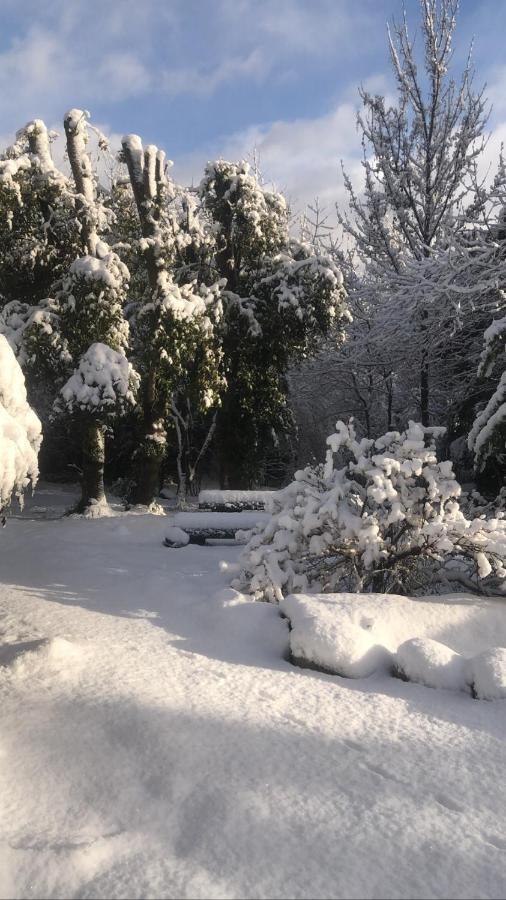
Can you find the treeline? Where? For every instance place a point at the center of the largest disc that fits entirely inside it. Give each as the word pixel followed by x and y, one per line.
pixel 155 324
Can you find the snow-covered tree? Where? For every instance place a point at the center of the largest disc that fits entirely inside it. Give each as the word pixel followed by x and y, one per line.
pixel 174 316
pixel 102 388
pixel 419 163
pixel 488 435
pixel 380 515
pixel 39 233
pixel 279 297
pixel 85 308
pixel 20 430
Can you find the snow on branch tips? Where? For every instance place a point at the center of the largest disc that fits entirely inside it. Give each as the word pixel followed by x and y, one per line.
pixel 20 430
pixel 380 515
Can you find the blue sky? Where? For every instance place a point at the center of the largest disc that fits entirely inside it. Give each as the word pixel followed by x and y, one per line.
pixel 207 78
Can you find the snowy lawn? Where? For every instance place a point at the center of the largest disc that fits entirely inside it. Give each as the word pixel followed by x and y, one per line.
pixel 155 743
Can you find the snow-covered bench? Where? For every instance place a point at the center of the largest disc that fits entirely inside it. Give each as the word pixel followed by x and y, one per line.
pixel 199 527
pixel 233 501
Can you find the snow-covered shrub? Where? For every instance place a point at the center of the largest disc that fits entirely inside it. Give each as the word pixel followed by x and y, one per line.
pixel 20 430
pixel 380 515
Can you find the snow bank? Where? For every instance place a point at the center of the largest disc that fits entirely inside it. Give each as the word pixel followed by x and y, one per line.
pixel 434 642
pixel 20 429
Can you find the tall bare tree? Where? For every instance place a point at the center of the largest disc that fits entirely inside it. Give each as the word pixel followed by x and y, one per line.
pixel 420 159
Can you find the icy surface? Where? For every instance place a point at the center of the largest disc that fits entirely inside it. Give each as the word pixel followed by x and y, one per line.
pixel 155 743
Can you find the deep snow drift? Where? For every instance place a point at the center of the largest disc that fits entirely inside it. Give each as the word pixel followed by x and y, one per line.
pixel 155 742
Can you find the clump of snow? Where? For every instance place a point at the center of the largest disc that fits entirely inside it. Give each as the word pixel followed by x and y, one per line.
pixel 103 381
pixel 487 674
pixel 98 509
pixel 20 430
pixel 106 267
pixel 431 663
pixel 176 536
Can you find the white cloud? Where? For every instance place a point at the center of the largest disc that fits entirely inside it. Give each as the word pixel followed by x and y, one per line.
pixel 199 81
pixel 302 157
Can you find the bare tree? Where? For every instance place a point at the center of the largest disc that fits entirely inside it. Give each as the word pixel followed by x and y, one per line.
pixel 419 161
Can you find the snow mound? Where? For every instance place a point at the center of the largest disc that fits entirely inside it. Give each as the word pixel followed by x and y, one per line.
pixel 331 637
pixel 487 673
pixel 176 537
pixel 433 642
pixel 428 662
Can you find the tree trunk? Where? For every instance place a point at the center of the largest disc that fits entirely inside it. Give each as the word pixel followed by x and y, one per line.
pixel 424 391
pixel 92 485
pixel 149 465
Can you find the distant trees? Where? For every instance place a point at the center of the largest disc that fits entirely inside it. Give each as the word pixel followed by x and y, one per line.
pixel 173 311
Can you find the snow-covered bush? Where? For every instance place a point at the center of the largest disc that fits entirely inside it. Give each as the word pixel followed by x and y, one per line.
pixel 380 515
pixel 20 430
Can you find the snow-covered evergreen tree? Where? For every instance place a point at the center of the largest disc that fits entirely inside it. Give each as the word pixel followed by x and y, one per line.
pixel 174 315
pixel 20 430
pixel 39 233
pixel 85 307
pixel 380 515
pixel 279 296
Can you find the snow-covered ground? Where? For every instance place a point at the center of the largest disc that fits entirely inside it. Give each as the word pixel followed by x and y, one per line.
pixel 154 742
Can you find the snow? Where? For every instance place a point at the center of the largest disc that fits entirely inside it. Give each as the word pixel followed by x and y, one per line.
pixel 107 269
pixel 156 743
pixel 431 663
pixel 433 641
pixel 176 536
pixel 235 521
pixel 103 379
pixel 248 499
pixel 487 673
pixel 20 429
